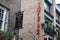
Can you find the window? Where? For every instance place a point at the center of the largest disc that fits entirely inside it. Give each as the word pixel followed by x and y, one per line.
pixel 47 7
pixel 1 13
pixel 0 24
pixel 3 18
pixel 49 1
pixel 19 20
pixel 58 16
pixel 46 18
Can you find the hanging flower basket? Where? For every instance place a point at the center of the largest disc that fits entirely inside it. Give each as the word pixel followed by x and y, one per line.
pixel 48 27
pixel 57 32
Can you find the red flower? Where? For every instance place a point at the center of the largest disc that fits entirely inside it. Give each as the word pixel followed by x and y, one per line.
pixel 38 8
pixel 38 18
pixel 38 32
pixel 38 25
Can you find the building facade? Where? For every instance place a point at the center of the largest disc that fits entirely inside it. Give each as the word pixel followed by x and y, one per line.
pixel 47 12
pixel 8 12
pixel 20 17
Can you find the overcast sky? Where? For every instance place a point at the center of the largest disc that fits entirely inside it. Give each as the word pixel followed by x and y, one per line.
pixel 57 1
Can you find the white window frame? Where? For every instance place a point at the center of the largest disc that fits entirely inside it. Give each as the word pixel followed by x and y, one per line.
pixel 4 28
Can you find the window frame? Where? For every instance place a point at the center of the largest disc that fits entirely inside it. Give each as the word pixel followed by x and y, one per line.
pixel 21 20
pixel 4 20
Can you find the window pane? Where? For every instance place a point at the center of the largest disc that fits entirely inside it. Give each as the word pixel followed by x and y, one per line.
pixel 58 17
pixel 1 13
pixel 0 23
pixel 47 7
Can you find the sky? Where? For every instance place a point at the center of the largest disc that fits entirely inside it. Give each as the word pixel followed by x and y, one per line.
pixel 57 1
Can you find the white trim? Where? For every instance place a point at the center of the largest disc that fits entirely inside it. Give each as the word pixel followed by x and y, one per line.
pixel 6 21
pixel 3 19
pixel 4 16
